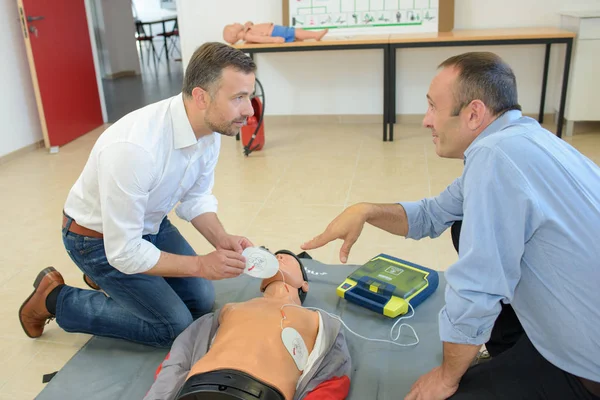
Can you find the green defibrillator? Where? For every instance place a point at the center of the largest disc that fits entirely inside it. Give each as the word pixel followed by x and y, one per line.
pixel 387 284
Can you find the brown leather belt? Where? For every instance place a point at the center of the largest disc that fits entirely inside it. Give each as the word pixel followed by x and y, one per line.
pixel 591 386
pixel 80 230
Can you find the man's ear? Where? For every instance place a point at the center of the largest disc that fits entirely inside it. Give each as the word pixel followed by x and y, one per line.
pixel 201 98
pixel 477 111
pixel 304 287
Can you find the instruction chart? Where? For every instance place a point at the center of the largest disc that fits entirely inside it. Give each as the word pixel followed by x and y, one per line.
pixel 416 15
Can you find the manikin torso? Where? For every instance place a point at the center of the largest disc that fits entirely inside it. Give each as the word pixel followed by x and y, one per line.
pixel 264 29
pixel 249 340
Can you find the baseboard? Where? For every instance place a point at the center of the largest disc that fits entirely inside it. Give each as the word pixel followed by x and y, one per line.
pixel 408 119
pixel 324 119
pixel 120 74
pixel 20 152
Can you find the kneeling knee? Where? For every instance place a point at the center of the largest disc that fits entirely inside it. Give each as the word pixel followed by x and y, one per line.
pixel 166 334
pixel 203 305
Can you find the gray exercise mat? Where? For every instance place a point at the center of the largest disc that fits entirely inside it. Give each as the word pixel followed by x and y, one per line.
pixel 118 370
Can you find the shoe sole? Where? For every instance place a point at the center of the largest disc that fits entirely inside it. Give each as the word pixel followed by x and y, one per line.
pixel 89 284
pixel 36 284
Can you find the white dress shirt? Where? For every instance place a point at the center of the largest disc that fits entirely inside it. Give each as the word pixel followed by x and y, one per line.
pixel 138 170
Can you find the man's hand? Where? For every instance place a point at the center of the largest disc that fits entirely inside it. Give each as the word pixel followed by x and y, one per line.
pixel 346 226
pixel 221 264
pixel 233 243
pixel 432 386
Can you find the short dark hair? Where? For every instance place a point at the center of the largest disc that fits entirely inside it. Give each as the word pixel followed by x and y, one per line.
pixel 483 76
pixel 207 63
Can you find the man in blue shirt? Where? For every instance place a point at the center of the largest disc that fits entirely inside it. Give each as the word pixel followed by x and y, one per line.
pixel 529 258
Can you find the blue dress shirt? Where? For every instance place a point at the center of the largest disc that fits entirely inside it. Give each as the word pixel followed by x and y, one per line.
pixel 530 206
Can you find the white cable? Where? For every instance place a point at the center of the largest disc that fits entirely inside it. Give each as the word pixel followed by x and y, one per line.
pixel 393 341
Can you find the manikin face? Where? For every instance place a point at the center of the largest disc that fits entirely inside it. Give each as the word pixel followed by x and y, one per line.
pixel 230 106
pixel 451 135
pixel 290 272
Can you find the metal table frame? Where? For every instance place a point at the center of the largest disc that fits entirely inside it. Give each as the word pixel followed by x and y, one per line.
pixel 390 115
pixel 389 48
pixel 384 46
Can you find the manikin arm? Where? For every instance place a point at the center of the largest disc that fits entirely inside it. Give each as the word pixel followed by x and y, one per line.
pixel 192 343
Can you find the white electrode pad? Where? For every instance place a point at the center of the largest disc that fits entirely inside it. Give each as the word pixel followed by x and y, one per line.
pixel 260 263
pixel 295 345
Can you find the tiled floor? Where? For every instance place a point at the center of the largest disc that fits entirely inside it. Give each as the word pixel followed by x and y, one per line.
pixel 157 81
pixel 278 197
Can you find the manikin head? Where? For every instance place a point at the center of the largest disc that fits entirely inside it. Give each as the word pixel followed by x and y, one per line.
pixel 470 92
pixel 292 272
pixel 232 33
pixel 218 83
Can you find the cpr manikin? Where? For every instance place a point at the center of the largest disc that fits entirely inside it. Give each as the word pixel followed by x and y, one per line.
pixel 269 343
pixel 267 33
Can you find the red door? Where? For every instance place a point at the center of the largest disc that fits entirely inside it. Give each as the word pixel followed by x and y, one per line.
pixel 62 68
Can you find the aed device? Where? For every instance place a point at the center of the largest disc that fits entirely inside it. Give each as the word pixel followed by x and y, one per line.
pixel 386 285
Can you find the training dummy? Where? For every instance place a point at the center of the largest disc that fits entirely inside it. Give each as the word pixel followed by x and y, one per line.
pixel 267 33
pixel 242 345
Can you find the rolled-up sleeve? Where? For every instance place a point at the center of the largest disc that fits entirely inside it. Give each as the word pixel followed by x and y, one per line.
pixel 126 173
pixel 432 216
pixel 500 215
pixel 200 198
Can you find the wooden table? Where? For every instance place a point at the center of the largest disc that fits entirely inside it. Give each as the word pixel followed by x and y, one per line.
pixel 487 37
pixel 337 43
pixel 390 43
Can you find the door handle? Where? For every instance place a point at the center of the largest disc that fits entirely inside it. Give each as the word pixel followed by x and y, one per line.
pixel 37 18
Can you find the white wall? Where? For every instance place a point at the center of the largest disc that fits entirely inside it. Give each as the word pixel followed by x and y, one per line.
pixel 20 125
pixel 350 82
pixel 151 9
pixel 115 35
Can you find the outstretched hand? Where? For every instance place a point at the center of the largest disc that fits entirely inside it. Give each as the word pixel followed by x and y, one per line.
pixel 346 226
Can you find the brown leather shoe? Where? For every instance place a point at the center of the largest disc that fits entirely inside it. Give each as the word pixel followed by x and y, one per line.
pixel 88 281
pixel 33 314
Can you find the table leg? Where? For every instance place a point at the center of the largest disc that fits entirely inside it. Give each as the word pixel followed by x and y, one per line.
pixel 392 80
pixel 386 73
pixel 152 45
pixel 563 94
pixel 165 37
pixel 544 83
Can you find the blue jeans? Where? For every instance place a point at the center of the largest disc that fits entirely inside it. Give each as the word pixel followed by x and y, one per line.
pixel 146 309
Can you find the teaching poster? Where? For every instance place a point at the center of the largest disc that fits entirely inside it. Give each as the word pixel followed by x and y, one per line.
pixel 373 16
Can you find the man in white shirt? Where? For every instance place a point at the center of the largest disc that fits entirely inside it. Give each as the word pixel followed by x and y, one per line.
pixel 115 225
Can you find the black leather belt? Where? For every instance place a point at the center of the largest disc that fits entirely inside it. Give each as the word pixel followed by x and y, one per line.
pixel 227 384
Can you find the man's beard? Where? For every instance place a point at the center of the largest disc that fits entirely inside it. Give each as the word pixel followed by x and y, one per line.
pixel 224 128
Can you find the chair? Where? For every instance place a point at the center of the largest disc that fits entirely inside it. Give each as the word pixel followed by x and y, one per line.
pixel 172 38
pixel 142 37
